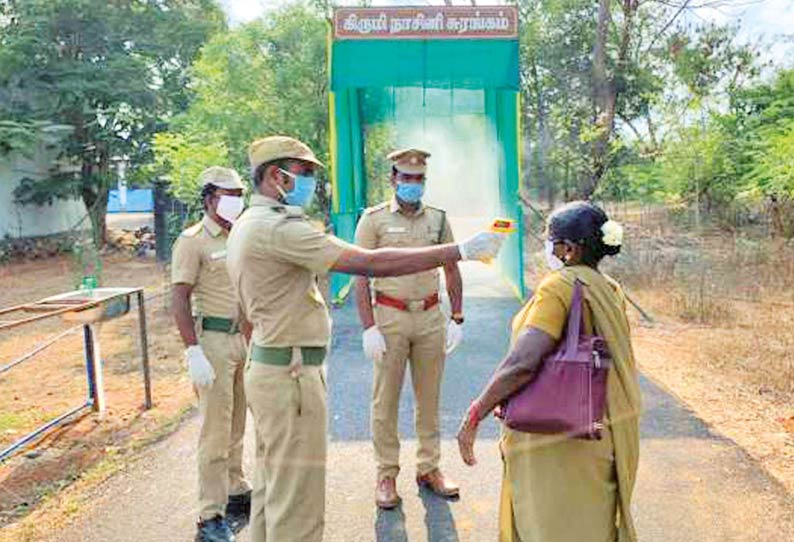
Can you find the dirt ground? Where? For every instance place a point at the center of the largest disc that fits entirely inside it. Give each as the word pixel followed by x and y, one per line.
pixel 703 366
pixel 54 381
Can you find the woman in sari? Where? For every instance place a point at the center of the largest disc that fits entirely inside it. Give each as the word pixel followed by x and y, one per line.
pixel 555 488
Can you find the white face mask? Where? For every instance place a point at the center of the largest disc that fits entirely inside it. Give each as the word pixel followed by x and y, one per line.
pixel 229 208
pixel 552 260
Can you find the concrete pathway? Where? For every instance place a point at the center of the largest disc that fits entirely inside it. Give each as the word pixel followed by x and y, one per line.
pixel 693 485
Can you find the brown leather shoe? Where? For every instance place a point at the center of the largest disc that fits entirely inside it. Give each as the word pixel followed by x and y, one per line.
pixel 386 496
pixel 435 482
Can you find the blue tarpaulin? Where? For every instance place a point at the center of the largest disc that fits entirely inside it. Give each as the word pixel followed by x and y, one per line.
pixel 139 200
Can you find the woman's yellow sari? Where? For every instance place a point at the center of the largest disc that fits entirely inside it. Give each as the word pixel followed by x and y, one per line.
pixel 569 490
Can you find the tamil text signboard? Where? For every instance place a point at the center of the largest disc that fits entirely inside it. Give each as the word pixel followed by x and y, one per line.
pixel 492 22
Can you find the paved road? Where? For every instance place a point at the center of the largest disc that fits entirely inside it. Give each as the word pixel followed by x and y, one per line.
pixel 693 485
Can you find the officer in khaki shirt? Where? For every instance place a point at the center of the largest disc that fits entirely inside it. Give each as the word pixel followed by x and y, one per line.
pixel 216 352
pixel 274 257
pixel 407 324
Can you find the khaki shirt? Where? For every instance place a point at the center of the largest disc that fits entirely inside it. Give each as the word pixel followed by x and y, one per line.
pixel 274 256
pixel 199 259
pixel 385 225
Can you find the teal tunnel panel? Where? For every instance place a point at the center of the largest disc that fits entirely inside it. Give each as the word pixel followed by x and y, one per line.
pixel 502 107
pixel 474 64
pixel 350 186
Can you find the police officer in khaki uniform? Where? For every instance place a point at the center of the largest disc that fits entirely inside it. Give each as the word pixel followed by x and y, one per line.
pixel 407 324
pixel 274 257
pixel 216 350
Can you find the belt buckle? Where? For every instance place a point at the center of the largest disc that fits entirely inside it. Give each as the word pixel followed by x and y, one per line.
pixel 415 305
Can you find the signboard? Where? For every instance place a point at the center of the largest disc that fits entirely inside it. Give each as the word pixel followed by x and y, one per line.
pixel 442 22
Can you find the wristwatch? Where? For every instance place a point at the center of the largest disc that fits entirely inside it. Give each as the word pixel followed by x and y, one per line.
pixel 457 317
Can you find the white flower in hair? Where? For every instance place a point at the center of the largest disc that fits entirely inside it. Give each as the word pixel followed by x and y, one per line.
pixel 612 233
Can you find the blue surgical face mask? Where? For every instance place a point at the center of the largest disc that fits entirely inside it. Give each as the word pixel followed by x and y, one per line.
pixel 410 192
pixel 302 193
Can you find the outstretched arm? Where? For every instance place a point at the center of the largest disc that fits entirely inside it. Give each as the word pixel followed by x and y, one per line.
pixel 390 262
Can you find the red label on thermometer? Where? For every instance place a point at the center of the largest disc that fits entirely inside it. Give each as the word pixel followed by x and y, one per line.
pixel 503 225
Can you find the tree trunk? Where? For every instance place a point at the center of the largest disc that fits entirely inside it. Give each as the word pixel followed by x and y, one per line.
pixel 96 203
pixel 603 100
pixel 543 140
pixel 605 91
pixel 101 231
pixel 95 198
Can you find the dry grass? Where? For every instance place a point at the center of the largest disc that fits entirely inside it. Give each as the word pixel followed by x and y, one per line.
pixel 736 287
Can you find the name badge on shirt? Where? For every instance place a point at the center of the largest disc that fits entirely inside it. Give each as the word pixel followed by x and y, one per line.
pixel 219 255
pixel 396 229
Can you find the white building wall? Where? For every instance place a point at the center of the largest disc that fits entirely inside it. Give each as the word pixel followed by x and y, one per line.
pixel 33 220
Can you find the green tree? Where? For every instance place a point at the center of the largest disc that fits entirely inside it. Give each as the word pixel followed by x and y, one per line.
pixel 185 160
pixel 266 77
pixel 113 72
pixel 762 119
pixel 598 77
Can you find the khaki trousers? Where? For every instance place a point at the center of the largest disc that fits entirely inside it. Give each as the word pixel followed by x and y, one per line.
pixel 223 411
pixel 289 410
pixel 418 337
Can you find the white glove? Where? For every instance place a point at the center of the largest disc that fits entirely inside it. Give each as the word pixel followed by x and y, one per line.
pixel 198 366
pixel 454 336
pixel 374 344
pixel 482 246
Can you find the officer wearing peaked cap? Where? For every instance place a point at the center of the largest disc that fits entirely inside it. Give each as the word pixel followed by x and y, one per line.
pixel 207 316
pixel 403 323
pixel 274 257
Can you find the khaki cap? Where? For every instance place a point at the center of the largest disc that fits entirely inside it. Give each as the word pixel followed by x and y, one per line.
pixel 272 148
pixel 222 177
pixel 410 161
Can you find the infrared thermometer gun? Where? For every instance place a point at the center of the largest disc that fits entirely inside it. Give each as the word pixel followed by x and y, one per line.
pixel 501 225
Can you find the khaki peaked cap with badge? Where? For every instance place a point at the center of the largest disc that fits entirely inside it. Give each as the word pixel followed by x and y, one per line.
pixel 269 149
pixel 409 161
pixel 222 177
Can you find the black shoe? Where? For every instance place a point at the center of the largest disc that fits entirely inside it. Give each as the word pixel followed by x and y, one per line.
pixel 239 505
pixel 214 530
pixel 238 511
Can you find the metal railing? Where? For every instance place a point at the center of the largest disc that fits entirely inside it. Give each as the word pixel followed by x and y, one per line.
pixel 95 398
